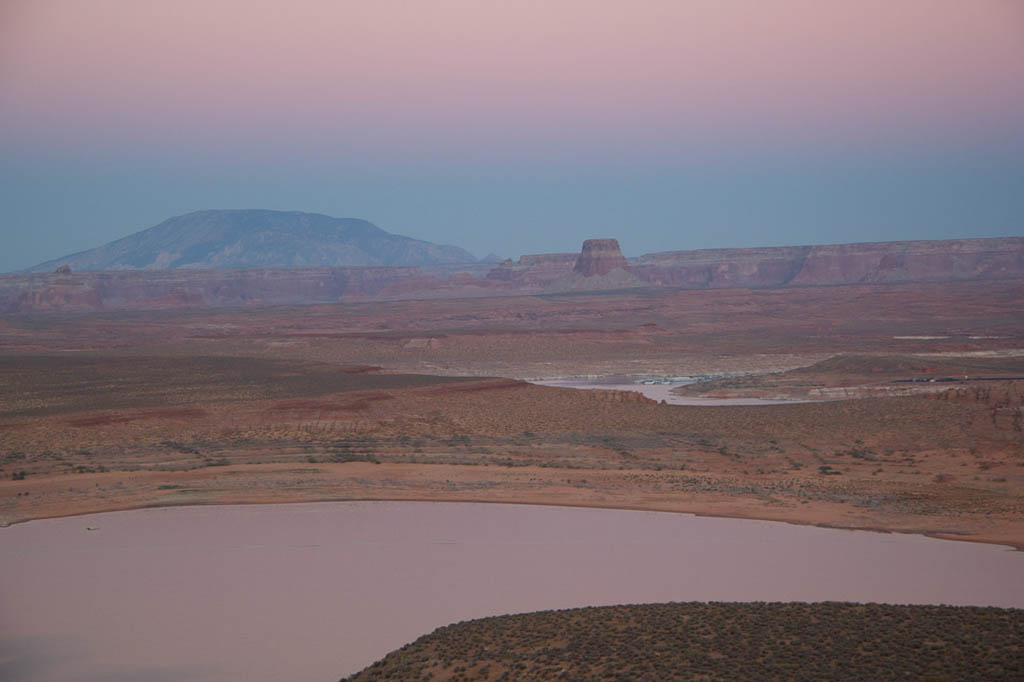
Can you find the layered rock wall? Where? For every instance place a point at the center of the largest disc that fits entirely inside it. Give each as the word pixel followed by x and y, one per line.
pixel 176 289
pixel 600 266
pixel 599 257
pixel 534 271
pixel 879 262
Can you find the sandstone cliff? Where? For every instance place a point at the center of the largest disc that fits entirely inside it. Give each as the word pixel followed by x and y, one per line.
pixel 879 262
pixel 175 289
pixel 599 257
pixel 534 271
pixel 796 266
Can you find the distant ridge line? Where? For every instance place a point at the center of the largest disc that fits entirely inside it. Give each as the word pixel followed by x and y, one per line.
pixel 258 238
pixel 996 258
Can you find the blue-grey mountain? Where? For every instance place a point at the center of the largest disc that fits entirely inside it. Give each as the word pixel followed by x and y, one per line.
pixel 232 239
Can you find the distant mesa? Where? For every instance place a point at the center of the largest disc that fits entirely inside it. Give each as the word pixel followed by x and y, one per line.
pixel 534 270
pixel 599 265
pixel 253 238
pixel 261 258
pixel 599 257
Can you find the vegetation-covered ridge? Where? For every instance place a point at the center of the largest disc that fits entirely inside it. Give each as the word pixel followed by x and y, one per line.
pixel 721 641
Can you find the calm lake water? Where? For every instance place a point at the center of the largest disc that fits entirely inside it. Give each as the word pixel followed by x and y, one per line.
pixel 316 591
pixel 659 392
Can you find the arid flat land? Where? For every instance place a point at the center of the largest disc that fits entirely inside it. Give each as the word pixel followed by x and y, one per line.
pixel 421 400
pixel 858 376
pixel 720 641
pixel 658 331
pixel 81 434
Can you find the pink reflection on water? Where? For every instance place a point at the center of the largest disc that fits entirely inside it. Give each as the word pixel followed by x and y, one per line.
pixel 315 591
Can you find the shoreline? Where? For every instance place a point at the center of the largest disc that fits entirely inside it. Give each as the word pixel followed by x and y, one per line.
pixel 693 508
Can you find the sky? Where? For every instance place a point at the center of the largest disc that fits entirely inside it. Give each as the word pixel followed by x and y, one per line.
pixel 518 126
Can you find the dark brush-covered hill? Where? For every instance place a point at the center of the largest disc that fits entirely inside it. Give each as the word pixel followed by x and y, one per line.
pixel 721 641
pixel 250 238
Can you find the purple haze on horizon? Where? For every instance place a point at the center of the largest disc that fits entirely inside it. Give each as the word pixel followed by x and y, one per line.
pixel 440 120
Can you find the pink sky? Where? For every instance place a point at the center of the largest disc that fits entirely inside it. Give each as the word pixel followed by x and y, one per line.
pixel 449 74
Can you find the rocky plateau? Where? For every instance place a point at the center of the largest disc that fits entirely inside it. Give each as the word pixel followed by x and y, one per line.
pixel 599 266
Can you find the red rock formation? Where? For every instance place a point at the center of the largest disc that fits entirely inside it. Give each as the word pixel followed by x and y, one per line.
pixel 599 257
pixel 880 262
pixel 924 261
pixel 534 271
pixel 563 271
pixel 600 266
pixel 176 289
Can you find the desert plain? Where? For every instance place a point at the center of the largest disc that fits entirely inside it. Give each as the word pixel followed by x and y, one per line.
pixel 905 412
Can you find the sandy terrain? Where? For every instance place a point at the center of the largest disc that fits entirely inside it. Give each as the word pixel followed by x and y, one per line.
pixel 138 432
pixel 70 494
pixel 113 410
pixel 658 332
pixel 859 376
